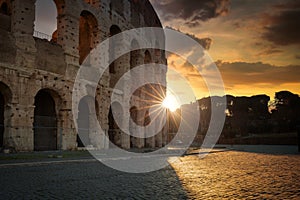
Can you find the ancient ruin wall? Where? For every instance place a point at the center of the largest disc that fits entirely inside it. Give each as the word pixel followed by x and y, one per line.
pixel 30 65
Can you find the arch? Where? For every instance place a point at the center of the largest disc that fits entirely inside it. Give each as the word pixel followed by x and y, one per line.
pixel 134 44
pixel 5 99
pixel 134 114
pixel 5 15
pixel 148 88
pixel 135 60
pixel 147 58
pixel 2 106
pixel 88 34
pixel 45 24
pixel 6 92
pixel 134 117
pixel 114 132
pixel 147 118
pixel 113 30
pixel 147 121
pixel 86 108
pixel 4 9
pixel 45 120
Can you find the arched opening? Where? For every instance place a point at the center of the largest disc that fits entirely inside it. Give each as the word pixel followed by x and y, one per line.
pixel 114 30
pixel 83 122
pixel 88 35
pixel 45 121
pixel 5 15
pixel 87 109
pixel 135 60
pixel 2 103
pixel 45 24
pixel 148 88
pixel 5 99
pixel 134 114
pixel 147 58
pixel 147 121
pixel 147 118
pixel 134 121
pixel 4 9
pixel 114 131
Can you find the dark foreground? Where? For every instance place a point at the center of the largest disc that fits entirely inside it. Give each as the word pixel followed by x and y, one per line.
pixel 222 175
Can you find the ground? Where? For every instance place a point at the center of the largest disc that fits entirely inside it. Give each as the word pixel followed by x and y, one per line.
pixel 220 175
pixel 240 175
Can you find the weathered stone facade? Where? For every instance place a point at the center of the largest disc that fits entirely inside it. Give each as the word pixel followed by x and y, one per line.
pixel 37 75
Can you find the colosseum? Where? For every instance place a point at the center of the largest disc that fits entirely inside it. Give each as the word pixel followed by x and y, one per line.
pixel 37 74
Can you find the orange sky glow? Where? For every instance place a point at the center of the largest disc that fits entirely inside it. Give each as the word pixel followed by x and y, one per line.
pixel 255 44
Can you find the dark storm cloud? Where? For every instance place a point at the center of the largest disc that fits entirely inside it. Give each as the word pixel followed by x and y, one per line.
pixel 192 11
pixel 282 27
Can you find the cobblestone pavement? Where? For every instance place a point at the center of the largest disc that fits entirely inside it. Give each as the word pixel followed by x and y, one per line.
pixel 240 175
pixel 222 175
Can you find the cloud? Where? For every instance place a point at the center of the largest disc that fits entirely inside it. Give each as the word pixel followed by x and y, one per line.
pixel 269 50
pixel 282 26
pixel 242 73
pixel 242 78
pixel 191 11
pixel 188 66
pixel 204 42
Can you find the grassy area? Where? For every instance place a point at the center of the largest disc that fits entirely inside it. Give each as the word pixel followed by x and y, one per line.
pixel 276 135
pixel 44 155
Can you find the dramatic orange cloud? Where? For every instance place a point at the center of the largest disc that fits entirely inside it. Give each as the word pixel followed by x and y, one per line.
pixel 255 43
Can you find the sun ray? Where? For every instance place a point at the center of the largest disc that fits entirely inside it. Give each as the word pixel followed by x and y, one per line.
pixel 170 102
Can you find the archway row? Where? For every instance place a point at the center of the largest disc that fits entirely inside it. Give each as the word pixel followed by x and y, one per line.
pixel 5 100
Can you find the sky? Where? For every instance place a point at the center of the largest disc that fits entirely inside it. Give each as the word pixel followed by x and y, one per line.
pixel 254 43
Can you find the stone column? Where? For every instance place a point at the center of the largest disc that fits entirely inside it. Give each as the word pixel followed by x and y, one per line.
pixel 68 38
pixel 140 143
pixel 67 130
pixel 19 135
pixel 158 139
pixel 125 138
pixel 22 20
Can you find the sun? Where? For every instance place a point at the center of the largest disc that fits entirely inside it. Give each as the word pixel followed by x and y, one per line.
pixel 170 102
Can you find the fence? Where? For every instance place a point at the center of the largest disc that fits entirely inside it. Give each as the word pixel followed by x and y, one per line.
pixel 42 35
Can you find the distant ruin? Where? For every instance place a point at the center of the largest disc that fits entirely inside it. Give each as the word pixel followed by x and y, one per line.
pixel 250 118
